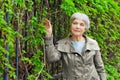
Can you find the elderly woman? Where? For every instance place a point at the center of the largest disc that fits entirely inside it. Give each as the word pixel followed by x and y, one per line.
pixel 80 54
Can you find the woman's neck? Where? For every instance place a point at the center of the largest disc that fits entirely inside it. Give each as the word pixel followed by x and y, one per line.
pixel 77 38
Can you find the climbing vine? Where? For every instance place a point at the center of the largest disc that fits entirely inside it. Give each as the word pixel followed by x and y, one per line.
pixel 21 39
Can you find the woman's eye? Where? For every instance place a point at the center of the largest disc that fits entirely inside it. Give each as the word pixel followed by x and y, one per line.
pixel 75 23
pixel 81 24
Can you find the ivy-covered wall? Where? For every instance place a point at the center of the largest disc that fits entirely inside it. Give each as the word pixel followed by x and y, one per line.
pixel 22 33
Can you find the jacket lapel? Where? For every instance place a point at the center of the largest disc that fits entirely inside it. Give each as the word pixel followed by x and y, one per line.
pixel 66 46
pixel 91 44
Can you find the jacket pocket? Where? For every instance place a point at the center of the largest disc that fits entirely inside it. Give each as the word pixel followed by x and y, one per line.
pixel 94 78
pixel 94 75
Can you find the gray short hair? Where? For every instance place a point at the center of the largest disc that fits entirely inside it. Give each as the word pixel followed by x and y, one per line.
pixel 81 16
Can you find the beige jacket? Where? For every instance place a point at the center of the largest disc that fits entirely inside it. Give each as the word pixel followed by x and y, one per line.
pixel 85 66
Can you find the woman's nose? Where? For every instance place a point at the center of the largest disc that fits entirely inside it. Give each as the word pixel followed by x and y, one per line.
pixel 78 26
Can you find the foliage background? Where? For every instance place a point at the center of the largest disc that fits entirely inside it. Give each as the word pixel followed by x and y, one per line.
pixel 22 32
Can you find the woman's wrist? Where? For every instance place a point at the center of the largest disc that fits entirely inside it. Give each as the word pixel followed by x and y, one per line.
pixel 48 35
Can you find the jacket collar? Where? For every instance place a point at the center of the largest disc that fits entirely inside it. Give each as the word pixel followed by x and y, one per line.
pixel 91 44
pixel 65 45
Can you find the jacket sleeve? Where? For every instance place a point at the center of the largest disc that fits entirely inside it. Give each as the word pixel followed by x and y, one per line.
pixel 52 54
pixel 99 65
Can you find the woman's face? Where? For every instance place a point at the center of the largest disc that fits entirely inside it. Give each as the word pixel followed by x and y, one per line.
pixel 78 27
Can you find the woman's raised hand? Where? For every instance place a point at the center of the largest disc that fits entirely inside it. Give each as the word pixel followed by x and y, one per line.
pixel 48 26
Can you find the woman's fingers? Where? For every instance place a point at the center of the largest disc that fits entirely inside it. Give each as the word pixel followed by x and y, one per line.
pixel 47 23
pixel 48 26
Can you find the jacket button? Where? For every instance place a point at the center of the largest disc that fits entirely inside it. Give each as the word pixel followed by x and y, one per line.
pixel 76 54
